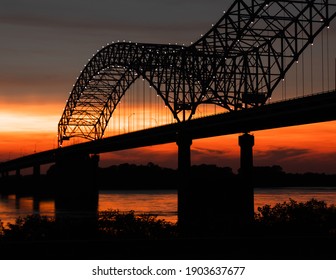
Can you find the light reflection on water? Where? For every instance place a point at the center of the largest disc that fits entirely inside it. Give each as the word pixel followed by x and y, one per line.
pixel 299 194
pixel 162 203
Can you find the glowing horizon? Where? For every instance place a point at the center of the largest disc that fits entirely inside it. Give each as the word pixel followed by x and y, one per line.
pixel 43 52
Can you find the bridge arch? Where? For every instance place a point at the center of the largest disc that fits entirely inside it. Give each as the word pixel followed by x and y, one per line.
pixel 104 81
pixel 237 64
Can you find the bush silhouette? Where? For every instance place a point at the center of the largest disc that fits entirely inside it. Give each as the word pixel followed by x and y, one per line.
pixel 110 224
pixel 1 228
pixel 311 218
pixel 113 223
pixel 31 227
pixel 292 218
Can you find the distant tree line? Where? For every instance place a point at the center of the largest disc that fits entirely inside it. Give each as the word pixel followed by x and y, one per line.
pixel 154 176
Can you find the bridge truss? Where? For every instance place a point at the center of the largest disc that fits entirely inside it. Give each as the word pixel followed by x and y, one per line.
pixel 237 64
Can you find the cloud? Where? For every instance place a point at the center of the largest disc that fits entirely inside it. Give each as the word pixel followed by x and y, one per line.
pixel 163 155
pixel 150 20
pixel 282 153
pixel 207 151
pixel 297 159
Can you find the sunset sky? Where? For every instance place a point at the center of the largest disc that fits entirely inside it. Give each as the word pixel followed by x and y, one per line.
pixel 45 44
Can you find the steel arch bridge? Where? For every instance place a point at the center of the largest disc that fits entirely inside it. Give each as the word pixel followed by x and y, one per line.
pixel 237 64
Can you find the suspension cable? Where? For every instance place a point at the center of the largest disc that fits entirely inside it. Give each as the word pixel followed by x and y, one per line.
pixel 311 68
pixel 143 104
pixel 322 39
pixel 328 62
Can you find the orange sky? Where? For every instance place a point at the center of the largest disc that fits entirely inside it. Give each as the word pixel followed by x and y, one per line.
pixel 298 149
pixel 45 46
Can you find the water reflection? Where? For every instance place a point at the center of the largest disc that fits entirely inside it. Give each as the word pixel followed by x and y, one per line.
pixel 162 203
pixel 299 194
pixel 12 207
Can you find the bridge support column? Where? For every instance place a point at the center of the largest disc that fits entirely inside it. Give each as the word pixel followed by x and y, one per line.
pixel 36 204
pixel 18 173
pixel 245 194
pixel 246 143
pixel 37 170
pixel 76 192
pixel 184 142
pixel 185 208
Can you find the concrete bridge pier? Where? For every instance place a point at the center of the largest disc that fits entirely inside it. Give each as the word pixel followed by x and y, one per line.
pixel 208 208
pixel 4 174
pixel 36 170
pixel 76 191
pixel 245 189
pixel 186 217
pixel 36 204
pixel 246 143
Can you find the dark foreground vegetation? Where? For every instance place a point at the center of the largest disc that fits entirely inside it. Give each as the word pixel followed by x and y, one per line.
pixel 289 230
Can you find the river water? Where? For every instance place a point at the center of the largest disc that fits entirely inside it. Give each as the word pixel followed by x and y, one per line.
pixel 162 203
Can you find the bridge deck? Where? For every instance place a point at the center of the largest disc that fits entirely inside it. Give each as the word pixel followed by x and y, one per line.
pixel 305 110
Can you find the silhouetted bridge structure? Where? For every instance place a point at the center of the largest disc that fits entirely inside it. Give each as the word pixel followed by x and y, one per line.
pixel 236 66
pixel 299 111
